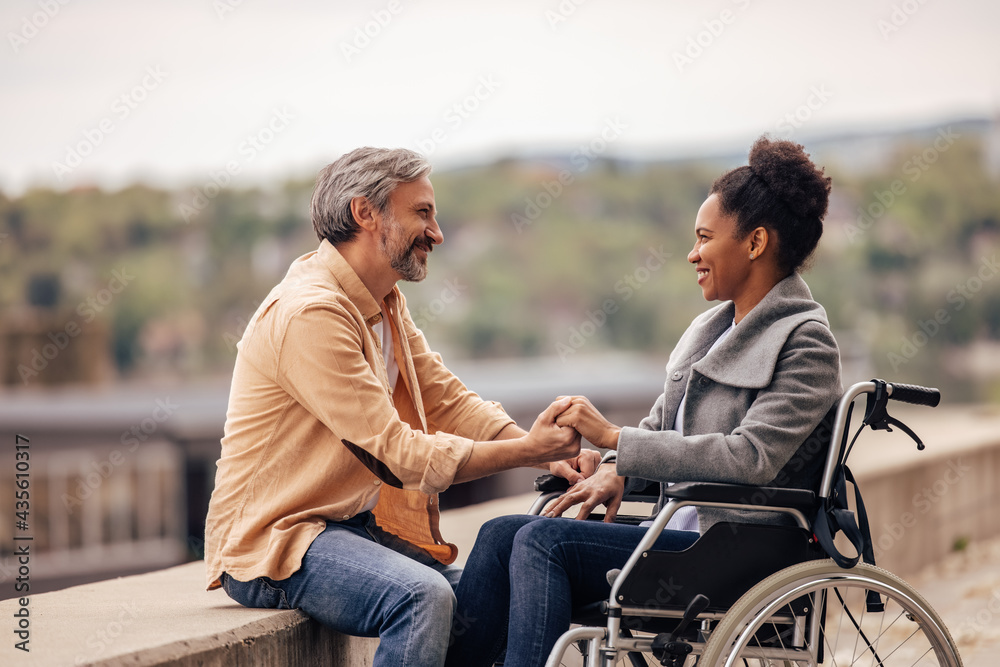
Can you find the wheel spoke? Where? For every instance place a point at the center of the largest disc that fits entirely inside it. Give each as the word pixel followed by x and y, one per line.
pixel 840 625
pixel 881 630
pixel 830 649
pixel 860 635
pixel 903 642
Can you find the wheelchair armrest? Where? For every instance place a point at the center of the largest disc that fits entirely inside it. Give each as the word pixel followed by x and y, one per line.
pixel 555 484
pixel 550 483
pixel 743 494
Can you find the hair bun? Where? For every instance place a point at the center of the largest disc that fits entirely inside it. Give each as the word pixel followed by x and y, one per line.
pixel 787 170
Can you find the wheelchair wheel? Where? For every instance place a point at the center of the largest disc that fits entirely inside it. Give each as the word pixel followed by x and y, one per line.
pixel 819 614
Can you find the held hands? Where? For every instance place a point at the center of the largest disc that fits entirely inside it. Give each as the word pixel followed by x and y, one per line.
pixel 603 486
pixel 551 441
pixel 589 422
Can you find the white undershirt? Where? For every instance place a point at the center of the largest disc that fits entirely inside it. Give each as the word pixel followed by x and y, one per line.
pixel 388 353
pixel 392 371
pixel 686 518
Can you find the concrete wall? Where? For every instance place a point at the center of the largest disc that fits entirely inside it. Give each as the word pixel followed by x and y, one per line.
pixel 920 512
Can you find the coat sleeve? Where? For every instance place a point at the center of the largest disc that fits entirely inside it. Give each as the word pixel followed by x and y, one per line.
pixel 805 383
pixel 652 422
pixel 655 418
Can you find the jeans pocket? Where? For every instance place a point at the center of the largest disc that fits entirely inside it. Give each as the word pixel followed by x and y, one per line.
pixel 261 593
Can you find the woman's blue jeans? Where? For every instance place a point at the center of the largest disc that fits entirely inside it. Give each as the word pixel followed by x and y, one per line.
pixel 524 576
pixel 360 580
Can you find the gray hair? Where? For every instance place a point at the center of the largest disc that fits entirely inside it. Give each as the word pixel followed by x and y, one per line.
pixel 367 172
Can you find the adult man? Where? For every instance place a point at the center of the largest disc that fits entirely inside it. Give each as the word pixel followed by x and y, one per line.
pixel 343 426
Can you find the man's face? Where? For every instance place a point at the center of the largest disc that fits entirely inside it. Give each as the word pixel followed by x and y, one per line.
pixel 410 230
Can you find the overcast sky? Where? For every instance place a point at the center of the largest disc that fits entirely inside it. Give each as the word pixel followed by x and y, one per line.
pixel 171 91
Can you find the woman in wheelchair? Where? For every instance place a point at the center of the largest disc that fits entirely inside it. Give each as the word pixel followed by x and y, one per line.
pixel 746 386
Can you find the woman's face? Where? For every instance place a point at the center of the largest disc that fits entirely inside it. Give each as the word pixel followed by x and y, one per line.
pixel 722 261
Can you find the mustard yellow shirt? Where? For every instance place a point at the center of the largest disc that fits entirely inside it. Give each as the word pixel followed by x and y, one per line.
pixel 309 375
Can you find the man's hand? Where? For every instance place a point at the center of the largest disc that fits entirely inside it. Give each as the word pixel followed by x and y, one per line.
pixel 547 441
pixel 578 468
pixel 551 441
pixel 604 487
pixel 589 422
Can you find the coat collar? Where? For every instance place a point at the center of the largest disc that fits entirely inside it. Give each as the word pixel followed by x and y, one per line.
pixel 747 358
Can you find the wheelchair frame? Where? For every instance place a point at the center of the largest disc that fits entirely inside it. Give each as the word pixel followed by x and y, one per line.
pixel 726 638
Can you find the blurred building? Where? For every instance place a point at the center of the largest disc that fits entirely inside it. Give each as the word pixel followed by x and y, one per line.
pixel 42 343
pixel 119 479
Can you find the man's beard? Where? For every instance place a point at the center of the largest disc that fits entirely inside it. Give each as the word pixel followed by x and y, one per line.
pixel 402 254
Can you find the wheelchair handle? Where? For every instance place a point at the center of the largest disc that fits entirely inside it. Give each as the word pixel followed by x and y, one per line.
pixel 915 394
pixel 908 393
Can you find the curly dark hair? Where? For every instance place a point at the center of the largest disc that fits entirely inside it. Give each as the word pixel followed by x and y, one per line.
pixel 781 190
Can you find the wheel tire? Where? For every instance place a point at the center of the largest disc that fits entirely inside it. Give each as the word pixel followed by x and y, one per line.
pixel 798 580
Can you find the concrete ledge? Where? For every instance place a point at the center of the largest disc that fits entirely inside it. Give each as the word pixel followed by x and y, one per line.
pixel 921 504
pixel 167 618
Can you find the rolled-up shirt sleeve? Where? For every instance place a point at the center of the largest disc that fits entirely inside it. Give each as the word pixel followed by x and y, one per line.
pixel 322 365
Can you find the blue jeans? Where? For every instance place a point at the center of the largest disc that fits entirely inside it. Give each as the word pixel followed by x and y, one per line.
pixel 524 576
pixel 360 580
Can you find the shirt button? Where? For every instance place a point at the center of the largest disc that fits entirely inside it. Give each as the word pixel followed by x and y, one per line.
pixel 677 376
pixel 377 482
pixel 346 517
pixel 703 381
pixel 377 319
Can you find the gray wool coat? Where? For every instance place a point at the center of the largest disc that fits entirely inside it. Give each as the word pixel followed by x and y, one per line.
pixel 752 404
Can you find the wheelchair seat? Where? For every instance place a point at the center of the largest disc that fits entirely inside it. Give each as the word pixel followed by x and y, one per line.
pixel 723 564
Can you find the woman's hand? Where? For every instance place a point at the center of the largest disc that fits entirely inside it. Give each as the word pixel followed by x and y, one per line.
pixel 604 487
pixel 578 468
pixel 589 422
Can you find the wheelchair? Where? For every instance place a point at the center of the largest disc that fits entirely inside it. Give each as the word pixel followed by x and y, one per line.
pixel 761 595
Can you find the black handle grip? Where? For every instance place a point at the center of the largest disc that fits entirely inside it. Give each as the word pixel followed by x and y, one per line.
pixel 911 393
pixel 549 483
